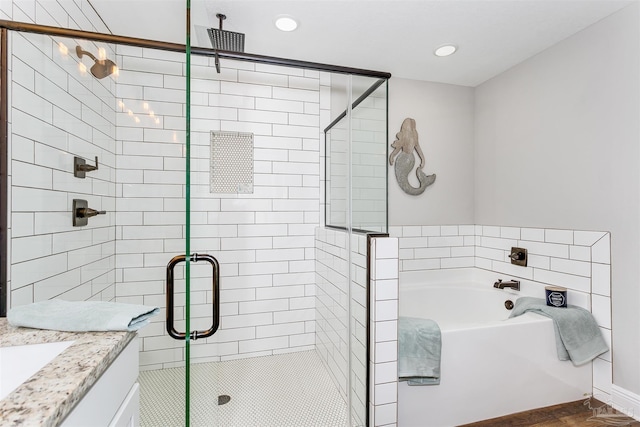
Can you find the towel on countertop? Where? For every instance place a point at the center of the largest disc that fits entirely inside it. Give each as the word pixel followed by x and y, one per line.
pixel 81 316
pixel 578 337
pixel 420 344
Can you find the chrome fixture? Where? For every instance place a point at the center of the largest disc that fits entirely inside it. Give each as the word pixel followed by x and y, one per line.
pixel 101 67
pixel 518 256
pixel 80 167
pixel 513 284
pixel 82 212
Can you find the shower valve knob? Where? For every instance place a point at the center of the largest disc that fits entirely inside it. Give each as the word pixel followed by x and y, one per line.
pixel 82 212
pixel 88 212
pixel 80 167
pixel 518 256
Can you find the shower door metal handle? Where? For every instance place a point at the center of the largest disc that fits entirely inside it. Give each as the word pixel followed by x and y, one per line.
pixel 171 330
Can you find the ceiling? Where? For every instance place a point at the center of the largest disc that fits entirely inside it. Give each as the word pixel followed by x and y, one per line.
pixel 396 36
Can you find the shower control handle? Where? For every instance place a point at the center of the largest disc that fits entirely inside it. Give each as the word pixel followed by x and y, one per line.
pixel 81 212
pixel 88 168
pixel 80 167
pixel 518 256
pixel 88 212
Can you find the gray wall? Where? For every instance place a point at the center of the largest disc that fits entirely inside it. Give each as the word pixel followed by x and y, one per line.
pixel 550 143
pixel 557 146
pixel 444 121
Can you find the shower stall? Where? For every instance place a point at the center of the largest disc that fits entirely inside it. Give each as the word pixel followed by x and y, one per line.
pixel 275 150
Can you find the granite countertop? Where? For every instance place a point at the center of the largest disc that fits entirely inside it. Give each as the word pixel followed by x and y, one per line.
pixel 47 397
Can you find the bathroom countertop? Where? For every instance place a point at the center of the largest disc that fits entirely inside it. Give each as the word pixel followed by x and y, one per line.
pixel 47 397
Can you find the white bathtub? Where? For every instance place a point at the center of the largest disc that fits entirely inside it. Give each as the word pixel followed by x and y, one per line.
pixel 491 365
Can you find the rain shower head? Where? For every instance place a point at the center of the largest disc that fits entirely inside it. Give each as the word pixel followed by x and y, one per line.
pixel 225 40
pixel 102 67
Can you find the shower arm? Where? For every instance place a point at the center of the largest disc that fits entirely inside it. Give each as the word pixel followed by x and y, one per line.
pixel 221 17
pixel 81 52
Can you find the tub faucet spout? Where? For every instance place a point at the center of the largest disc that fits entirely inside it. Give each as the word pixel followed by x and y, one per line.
pixel 513 284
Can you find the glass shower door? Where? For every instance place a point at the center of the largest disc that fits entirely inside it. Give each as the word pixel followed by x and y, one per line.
pixel 157 262
pixel 193 292
pixel 199 396
pixel 115 109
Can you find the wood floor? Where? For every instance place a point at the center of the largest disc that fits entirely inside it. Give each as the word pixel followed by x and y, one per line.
pixel 579 413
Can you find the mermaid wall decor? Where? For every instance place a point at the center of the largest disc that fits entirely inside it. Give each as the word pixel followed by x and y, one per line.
pixel 407 141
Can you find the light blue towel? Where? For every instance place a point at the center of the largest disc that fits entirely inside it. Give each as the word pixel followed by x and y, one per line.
pixel 578 337
pixel 420 344
pixel 81 316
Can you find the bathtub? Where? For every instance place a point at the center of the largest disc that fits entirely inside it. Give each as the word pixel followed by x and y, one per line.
pixel 491 365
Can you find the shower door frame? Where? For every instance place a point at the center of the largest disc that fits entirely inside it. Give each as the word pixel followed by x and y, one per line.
pixel 7 25
pixel 331 125
pixel 4 163
pixel 349 229
pixel 177 47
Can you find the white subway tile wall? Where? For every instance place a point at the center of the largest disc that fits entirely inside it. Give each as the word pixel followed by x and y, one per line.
pixel 383 358
pixel 577 260
pixel 337 170
pixel 263 241
pixel 369 163
pixel 59 112
pixel 333 305
pixel 366 181
pixel 136 122
pixel 358 322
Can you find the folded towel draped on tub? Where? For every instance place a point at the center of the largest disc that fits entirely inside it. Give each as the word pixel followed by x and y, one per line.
pixel 420 344
pixel 81 316
pixel 578 337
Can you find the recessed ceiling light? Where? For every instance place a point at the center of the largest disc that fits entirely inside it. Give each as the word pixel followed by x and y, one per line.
pixel 445 50
pixel 286 23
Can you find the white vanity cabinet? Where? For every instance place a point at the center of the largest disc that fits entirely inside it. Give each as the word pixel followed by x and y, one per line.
pixel 114 400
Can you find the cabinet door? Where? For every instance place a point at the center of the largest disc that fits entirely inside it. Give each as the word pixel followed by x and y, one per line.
pixel 129 413
pixel 105 398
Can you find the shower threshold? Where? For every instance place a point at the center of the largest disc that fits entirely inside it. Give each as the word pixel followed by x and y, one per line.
pixel 292 389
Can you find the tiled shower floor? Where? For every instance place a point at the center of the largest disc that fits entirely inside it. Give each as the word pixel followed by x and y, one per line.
pixel 283 390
